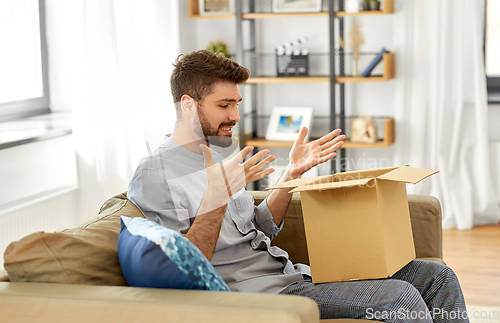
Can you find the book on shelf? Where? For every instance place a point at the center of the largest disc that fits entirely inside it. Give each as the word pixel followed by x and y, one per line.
pixel 374 63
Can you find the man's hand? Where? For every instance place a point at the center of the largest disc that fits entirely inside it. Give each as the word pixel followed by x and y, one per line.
pixel 226 179
pixel 304 156
pixel 223 180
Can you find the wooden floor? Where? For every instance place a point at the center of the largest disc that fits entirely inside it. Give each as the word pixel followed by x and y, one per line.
pixel 474 255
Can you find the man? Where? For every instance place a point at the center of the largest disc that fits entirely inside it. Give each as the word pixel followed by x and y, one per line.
pixel 187 186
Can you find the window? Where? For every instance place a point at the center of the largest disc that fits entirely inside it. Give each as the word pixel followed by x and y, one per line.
pixel 492 50
pixel 23 59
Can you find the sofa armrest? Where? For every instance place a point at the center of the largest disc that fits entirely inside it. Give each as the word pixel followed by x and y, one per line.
pixel 426 223
pixel 4 276
pixel 425 214
pixel 45 302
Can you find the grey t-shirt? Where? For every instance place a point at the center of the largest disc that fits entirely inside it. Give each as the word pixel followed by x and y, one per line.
pixel 168 186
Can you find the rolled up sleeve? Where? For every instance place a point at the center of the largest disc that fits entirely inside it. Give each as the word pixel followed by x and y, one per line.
pixel 264 221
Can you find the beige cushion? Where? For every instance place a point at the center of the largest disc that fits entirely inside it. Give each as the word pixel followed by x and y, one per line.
pixel 85 254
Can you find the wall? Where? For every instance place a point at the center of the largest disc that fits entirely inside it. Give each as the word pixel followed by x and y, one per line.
pixel 36 169
pixel 38 191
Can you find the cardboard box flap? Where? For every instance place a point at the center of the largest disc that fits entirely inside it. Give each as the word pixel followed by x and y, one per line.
pixel 332 185
pixel 303 181
pixel 408 174
pixel 370 173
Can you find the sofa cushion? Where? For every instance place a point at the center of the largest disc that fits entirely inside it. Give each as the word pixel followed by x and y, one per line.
pixel 85 254
pixel 152 255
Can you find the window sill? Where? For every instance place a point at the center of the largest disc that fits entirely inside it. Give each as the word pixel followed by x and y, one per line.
pixel 27 130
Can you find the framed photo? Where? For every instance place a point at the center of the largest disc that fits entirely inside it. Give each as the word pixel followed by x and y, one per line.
pixel 285 123
pixel 216 7
pixel 280 6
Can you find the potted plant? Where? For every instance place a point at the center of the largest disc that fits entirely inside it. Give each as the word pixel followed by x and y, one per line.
pixel 374 5
pixel 218 47
pixel 366 5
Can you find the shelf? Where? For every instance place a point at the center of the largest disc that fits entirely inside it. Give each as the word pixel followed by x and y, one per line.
pixel 260 142
pixel 279 15
pixel 309 79
pixel 194 12
pixel 388 140
pixel 388 74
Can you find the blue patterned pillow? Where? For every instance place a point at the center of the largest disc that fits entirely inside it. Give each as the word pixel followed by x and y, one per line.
pixel 152 255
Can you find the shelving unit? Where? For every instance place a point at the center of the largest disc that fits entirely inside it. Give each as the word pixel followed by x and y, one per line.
pixel 333 76
pixel 194 12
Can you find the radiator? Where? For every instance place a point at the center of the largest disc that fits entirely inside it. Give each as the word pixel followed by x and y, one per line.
pixel 48 215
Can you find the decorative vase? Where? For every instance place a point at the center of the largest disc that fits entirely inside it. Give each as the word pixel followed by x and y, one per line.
pixel 366 6
pixel 374 5
pixel 355 66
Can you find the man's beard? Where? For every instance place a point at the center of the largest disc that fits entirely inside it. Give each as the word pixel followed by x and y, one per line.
pixel 211 134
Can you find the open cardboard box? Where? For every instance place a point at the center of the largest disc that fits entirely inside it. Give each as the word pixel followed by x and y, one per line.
pixel 357 223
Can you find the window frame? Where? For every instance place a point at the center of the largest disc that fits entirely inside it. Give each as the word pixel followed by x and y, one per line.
pixel 492 82
pixel 34 106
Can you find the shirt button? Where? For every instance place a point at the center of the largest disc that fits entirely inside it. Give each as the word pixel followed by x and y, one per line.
pixel 254 245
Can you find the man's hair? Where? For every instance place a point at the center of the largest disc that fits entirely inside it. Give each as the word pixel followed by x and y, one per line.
pixel 196 73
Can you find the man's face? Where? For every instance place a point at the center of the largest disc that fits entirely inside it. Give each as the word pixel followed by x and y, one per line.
pixel 218 114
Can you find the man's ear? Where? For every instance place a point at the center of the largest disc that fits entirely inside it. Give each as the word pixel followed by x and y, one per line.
pixel 187 104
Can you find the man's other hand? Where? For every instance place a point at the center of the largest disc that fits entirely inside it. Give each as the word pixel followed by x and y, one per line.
pixel 304 156
pixel 226 179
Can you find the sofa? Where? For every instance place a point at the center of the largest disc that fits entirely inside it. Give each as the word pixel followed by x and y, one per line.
pixel 74 275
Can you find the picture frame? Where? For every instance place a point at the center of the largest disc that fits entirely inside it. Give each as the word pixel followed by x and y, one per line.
pixel 287 6
pixel 285 123
pixel 216 7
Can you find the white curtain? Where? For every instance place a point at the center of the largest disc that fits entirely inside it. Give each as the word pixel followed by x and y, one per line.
pixel 110 63
pixel 441 105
